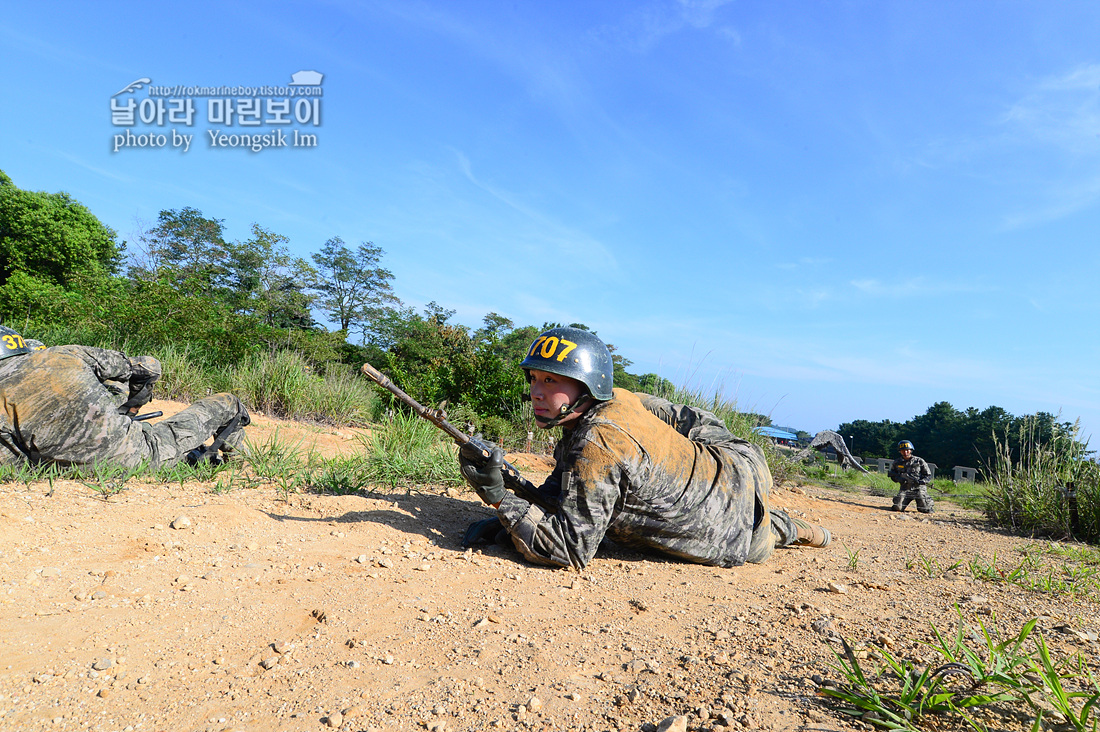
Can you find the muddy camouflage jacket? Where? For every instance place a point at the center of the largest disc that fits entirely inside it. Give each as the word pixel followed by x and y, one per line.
pixel 650 475
pixel 54 405
pixel 911 473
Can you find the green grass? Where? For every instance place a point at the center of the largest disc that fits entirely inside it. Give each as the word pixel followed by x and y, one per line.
pixel 994 683
pixel 1046 568
pixel 403 451
pixel 409 451
pixel 1026 487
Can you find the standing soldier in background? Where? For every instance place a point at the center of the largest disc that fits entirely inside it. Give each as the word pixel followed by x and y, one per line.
pixel 72 405
pixel 914 475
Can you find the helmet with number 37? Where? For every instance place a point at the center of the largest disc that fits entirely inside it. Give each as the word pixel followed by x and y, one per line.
pixel 11 343
pixel 575 353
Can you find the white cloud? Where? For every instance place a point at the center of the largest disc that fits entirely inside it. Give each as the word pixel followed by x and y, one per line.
pixel 915 286
pixel 573 246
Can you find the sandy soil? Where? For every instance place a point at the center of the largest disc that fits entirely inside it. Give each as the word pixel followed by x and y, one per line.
pixel 364 612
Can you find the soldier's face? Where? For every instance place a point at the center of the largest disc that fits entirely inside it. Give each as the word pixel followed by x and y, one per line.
pixel 550 392
pixel 905 454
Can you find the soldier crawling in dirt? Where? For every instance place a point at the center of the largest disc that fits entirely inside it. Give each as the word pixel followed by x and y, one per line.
pixel 72 405
pixel 914 475
pixel 637 469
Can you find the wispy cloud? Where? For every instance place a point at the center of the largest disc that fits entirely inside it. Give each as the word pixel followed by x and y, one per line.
pixel 1059 118
pixel 648 25
pixel 572 245
pixel 1062 112
pixel 804 262
pixel 914 286
pixel 88 166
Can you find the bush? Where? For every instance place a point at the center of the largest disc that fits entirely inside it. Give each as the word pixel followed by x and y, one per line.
pixel 1026 488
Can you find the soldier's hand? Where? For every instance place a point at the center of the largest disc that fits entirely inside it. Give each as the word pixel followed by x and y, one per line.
pixel 487 478
pixel 482 532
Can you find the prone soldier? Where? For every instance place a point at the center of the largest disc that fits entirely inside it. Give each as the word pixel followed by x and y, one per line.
pixel 637 469
pixel 73 405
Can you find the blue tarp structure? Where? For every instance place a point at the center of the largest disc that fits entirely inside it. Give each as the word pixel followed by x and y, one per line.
pixel 775 433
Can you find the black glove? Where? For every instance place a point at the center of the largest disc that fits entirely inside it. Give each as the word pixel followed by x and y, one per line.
pixel 484 476
pixel 482 532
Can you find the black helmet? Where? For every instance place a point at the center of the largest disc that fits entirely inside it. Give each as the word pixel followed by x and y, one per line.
pixel 905 445
pixel 11 343
pixel 575 353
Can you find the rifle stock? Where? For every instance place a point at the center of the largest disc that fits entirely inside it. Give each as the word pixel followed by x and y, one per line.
pixel 513 481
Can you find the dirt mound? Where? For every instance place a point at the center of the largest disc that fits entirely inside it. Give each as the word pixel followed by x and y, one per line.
pixel 261 614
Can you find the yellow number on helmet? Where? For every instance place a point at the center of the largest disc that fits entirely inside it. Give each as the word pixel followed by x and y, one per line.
pixel 569 346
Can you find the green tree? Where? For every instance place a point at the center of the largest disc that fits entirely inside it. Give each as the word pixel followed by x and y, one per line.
pixel 354 291
pixel 263 279
pixel 187 249
pixel 53 238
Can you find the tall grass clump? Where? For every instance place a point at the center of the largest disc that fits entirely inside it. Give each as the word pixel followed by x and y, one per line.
pixel 285 386
pixel 1026 488
pixel 407 450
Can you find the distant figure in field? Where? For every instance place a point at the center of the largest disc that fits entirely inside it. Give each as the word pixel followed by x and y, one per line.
pixel 914 475
pixel 73 405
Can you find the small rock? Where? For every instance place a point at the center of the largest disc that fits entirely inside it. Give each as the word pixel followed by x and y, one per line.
pixel 573 696
pixel 673 724
pixel 181 522
pixel 352 712
pixel 99 595
pixel 533 705
pixel 104 693
pixel 103 664
pixel 334 720
pixel 437 725
pixel 281 647
pixel 387 659
pixel 362 559
pixel 837 588
pixel 270 662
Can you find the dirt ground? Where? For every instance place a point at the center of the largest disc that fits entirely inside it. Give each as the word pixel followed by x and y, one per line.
pixel 363 612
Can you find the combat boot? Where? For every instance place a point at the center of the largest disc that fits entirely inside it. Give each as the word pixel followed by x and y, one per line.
pixel 811 535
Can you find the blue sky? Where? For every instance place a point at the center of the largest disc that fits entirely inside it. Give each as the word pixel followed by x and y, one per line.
pixel 829 210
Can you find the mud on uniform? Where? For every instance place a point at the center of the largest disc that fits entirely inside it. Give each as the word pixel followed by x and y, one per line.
pixel 651 475
pixel 55 407
pixel 914 476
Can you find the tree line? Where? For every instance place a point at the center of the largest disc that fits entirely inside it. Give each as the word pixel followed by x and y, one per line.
pixel 948 436
pixel 185 284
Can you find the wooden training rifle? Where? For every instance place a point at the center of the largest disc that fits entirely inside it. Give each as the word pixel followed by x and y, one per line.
pixel 513 481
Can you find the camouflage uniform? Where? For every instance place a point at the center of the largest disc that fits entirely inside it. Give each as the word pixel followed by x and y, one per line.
pixel 914 476
pixel 651 475
pixel 66 405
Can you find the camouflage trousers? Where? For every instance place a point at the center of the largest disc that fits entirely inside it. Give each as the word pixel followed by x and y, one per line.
pixel 777 530
pixel 169 440
pixel 112 439
pixel 909 493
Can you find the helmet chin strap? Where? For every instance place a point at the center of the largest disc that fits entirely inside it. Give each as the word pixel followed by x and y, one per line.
pixel 566 409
